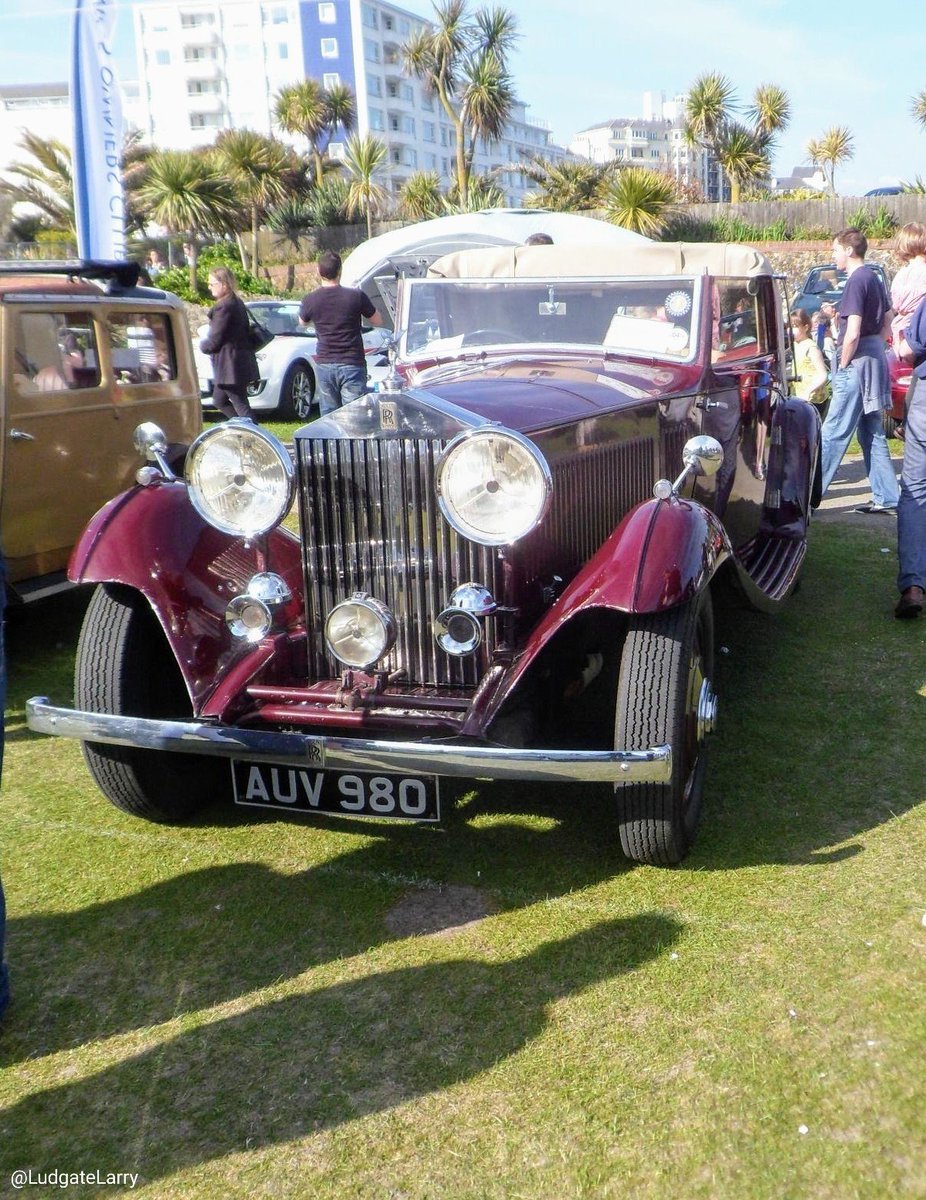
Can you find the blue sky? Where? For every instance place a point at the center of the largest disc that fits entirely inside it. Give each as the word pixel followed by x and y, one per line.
pixel 580 62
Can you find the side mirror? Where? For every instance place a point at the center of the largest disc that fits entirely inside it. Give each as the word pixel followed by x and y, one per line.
pixel 703 455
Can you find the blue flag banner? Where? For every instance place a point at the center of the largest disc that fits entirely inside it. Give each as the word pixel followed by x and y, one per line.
pixel 96 104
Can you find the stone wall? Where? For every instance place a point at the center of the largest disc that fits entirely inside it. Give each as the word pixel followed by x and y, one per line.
pixel 794 259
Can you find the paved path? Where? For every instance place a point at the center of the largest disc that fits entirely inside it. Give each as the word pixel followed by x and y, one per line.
pixel 849 488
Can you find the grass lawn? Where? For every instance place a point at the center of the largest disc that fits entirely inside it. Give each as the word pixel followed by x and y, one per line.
pixel 500 1007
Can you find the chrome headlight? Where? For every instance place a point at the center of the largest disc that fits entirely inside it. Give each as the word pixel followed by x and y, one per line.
pixel 360 631
pixel 493 486
pixel 241 478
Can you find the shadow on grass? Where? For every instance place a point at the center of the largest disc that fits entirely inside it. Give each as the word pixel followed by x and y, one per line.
pixel 290 1068
pixel 207 936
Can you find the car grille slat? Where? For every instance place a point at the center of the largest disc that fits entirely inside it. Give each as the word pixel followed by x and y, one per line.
pixel 370 523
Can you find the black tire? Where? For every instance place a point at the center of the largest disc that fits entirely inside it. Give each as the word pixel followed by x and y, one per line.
pixel 665 660
pixel 297 392
pixel 125 666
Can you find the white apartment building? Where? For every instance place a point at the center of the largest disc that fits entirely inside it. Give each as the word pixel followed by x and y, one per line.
pixel 209 65
pixel 654 140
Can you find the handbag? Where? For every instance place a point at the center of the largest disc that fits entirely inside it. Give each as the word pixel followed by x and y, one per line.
pixel 258 335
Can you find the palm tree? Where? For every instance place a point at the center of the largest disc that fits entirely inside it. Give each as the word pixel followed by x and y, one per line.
pixel 420 196
pixel 640 199
pixel 918 107
pixel 342 110
pixel 307 108
pixel 364 161
pixel 186 195
pixel 566 186
pixel 465 64
pixel 711 123
pixel 742 157
pixel 257 166
pixel 831 148
pixel 291 221
pixel 46 182
pixel 482 193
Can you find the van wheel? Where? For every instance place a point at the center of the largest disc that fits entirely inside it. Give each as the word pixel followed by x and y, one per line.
pixel 665 695
pixel 125 666
pixel 297 392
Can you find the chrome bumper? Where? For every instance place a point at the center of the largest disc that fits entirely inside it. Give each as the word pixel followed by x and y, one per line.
pixel 354 754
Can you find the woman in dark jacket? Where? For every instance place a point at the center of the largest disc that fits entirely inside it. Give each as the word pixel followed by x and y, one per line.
pixel 233 363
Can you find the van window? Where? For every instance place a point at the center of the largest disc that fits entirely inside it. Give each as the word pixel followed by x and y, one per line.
pixel 141 347
pixel 55 352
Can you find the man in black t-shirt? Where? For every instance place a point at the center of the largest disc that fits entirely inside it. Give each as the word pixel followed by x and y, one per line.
pixel 337 314
pixel 861 380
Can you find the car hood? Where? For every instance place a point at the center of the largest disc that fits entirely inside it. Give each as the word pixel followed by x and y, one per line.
pixel 531 395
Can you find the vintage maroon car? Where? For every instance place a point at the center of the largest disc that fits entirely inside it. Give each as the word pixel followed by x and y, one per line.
pixel 495 575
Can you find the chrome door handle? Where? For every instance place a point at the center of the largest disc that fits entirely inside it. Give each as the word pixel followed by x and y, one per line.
pixel 20 435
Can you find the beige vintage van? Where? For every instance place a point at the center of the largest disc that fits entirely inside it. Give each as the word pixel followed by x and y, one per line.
pixel 86 356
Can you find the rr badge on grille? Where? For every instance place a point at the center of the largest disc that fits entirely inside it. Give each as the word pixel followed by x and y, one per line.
pixel 388 415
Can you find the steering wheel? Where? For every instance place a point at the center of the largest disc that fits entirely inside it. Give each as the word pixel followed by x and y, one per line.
pixel 477 337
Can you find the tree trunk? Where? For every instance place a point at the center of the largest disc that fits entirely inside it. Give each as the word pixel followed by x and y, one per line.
pixel 255 250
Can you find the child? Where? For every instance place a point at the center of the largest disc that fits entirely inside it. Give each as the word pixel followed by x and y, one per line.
pixel 809 365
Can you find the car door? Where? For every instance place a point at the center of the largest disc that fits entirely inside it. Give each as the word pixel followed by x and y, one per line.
pixel 57 421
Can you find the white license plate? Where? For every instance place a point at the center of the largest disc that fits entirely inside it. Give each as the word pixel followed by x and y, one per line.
pixel 354 794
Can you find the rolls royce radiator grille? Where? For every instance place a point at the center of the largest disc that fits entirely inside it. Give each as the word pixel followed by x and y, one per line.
pixel 370 523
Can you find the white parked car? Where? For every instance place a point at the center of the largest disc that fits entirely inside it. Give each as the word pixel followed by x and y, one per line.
pixel 287 364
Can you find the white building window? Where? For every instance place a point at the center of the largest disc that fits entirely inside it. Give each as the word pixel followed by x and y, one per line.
pixel 279 16
pixel 411 157
pixel 368 16
pixel 205 120
pixel 192 20
pixel 327 14
pixel 282 50
pixel 331 80
pixel 162 58
pixel 329 47
pixel 370 51
pixel 408 125
pixel 376 118
pixel 374 85
pixel 408 93
pixel 428 131
pixel 388 22
pixel 199 54
pixel 430 161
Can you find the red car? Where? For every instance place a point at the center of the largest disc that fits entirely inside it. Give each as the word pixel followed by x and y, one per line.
pixel 506 558
pixel 901 377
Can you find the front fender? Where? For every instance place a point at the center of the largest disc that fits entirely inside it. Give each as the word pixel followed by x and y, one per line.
pixel 153 540
pixel 663 553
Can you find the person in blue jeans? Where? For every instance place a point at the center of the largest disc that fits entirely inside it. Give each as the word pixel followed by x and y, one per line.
pixel 861 379
pixel 911 511
pixel 4 971
pixel 338 313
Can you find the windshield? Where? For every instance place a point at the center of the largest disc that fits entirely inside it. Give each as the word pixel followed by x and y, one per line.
pixel 280 319
pixel 652 317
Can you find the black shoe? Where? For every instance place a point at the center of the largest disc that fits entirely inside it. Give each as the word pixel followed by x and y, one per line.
pixel 910 603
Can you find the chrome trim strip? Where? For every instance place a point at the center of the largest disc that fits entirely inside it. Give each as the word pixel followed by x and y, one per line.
pixel 354 754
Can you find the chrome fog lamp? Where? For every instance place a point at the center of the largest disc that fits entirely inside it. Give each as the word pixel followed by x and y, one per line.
pixel 493 485
pixel 702 456
pixel 248 618
pixel 473 598
pixel 457 631
pixel 360 631
pixel 240 478
pixel 270 588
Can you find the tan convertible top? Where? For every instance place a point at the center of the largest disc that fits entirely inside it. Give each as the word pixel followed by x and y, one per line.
pixel 727 259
